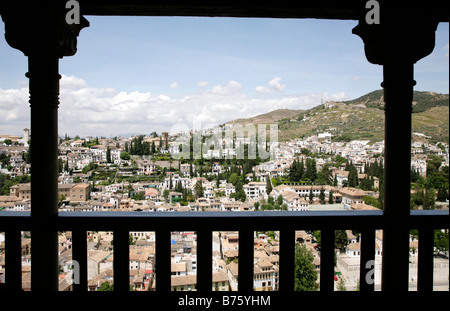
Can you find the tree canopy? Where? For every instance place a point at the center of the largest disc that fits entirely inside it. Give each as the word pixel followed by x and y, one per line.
pixel 305 274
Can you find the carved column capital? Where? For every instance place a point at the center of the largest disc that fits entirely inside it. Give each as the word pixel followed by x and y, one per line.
pixel 41 28
pixel 404 34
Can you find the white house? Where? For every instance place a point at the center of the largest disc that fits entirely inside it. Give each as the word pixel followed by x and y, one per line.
pixel 265 275
pixel 229 189
pixel 352 195
pixel 255 189
pixel 341 177
pixel 146 167
pixel 294 201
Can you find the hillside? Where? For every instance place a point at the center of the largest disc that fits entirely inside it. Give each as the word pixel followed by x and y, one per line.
pixel 433 122
pixel 361 118
pixel 422 101
pixel 345 122
pixel 269 117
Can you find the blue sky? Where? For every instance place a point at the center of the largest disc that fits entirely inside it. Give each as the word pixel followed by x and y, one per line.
pixel 140 74
pixel 151 53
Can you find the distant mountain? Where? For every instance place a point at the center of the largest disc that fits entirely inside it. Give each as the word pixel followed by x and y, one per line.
pixel 361 118
pixel 269 117
pixel 421 100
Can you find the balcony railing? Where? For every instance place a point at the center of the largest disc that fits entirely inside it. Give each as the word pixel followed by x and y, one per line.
pixel 204 223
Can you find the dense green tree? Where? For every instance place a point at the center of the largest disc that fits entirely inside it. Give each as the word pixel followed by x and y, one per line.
pixel 305 275
pixel 301 170
pixel 239 195
pixel 28 155
pixel 280 199
pixel 340 239
pixel 325 177
pixel 322 196
pixel 4 159
pixel 293 171
pixel 106 287
pixel 198 188
pixel 429 199
pixel 441 243
pixel 233 179
pixel 256 205
pixel 311 169
pixel 415 175
pixel 352 175
pixel 108 155
pixel 91 166
pixel 139 147
pixel 296 171
pixel 442 194
pixel 370 200
pixel 60 166
pixel 3 180
pixel 268 186
pixel 330 197
pixel 433 164
pixel 367 183
pixel 139 196
pixel 145 148
pixel 125 155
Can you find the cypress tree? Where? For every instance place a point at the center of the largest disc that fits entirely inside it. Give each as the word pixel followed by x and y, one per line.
pixel 268 186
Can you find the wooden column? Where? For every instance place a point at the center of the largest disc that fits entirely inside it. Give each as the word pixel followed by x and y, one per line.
pixel 162 265
pixel 245 268
pixel 44 91
pixel 403 36
pixel 398 93
pixel 204 260
pixel 287 257
pixel 40 31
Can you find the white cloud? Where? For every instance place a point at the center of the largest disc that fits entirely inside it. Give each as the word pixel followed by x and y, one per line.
pixel 233 87
pixel 164 98
pixel 86 110
pixel 14 111
pixel 358 78
pixel 262 89
pixel 174 85
pixel 71 82
pixel 274 85
pixel 202 83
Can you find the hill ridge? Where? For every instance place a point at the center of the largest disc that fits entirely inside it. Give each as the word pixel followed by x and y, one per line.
pixel 360 118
